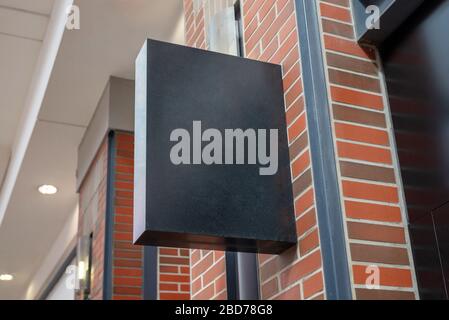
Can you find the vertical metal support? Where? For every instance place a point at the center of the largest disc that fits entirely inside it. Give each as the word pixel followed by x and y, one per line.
pixel 231 275
pixel 248 276
pixel 150 273
pixel 109 219
pixel 328 204
pixel 242 276
pixel 241 268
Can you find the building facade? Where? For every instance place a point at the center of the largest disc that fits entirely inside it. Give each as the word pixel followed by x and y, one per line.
pixel 349 198
pixel 365 96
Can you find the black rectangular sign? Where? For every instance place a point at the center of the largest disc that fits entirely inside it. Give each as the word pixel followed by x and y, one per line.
pixel 212 164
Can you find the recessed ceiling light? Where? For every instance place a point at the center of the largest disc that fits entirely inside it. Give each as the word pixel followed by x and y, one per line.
pixel 47 189
pixel 6 277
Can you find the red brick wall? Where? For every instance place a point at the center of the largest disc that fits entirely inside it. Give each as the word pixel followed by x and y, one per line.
pixel 127 265
pixel 208 270
pixel 127 259
pixel 195 29
pixel 174 274
pixel 92 202
pixel 376 229
pixel 271 35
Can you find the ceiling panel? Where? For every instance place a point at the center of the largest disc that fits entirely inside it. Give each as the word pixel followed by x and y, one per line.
pixel 38 6
pixel 110 37
pixel 4 159
pixel 22 24
pixel 17 61
pixel 33 221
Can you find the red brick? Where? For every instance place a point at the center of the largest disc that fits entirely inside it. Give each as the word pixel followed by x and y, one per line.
pixel 293 293
pixel 220 283
pixel 254 39
pixel 127 236
pixel 171 260
pixel 251 28
pixel 288 27
pixel 301 268
pixel 268 52
pixel 309 242
pixel 127 290
pixel 297 128
pixel 275 27
pixel 185 288
pixel 292 75
pixel 202 266
pixel 285 49
pixel 124 169
pixel 130 282
pixel 265 8
pixel 127 263
pixel 249 13
pixel 124 210
pixel 124 185
pixel 247 4
pixel 173 278
pixel 375 232
pixel 196 285
pixel 222 296
pixel 205 294
pixel 124 194
pixel 168 287
pixel 174 296
pixel 214 272
pixel 294 110
pixel 168 269
pixel 369 211
pixel 364 153
pixel 270 288
pixel 184 252
pixel 361 134
pixel 218 255
pixel 300 164
pixel 168 251
pixel 195 256
pixel 348 47
pixel 127 272
pixel 306 222
pixel 289 59
pixel 127 254
pixel 123 227
pixel 293 93
pixel 304 202
pixel 357 98
pixel 124 161
pixel 393 277
pixel 125 138
pixel 370 191
pixel 124 202
pixel 313 285
pixel 336 13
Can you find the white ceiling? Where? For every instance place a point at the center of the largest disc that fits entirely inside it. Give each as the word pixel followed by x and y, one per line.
pixel 23 24
pixel 33 221
pixel 111 34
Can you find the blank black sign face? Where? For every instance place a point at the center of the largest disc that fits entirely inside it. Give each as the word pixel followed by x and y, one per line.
pixel 196 184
